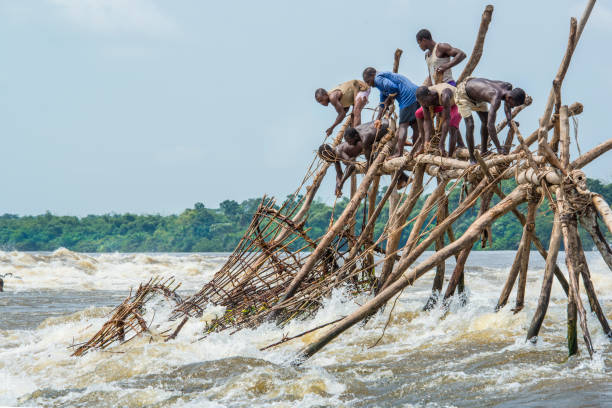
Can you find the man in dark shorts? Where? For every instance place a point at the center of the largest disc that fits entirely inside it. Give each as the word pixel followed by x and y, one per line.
pixel 359 140
pixel 395 86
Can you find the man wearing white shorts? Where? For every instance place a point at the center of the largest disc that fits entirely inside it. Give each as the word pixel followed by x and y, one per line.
pixel 350 93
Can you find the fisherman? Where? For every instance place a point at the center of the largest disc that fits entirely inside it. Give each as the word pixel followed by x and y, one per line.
pixel 395 86
pixel 350 93
pixel 473 94
pixel 439 98
pixel 358 140
pixel 440 58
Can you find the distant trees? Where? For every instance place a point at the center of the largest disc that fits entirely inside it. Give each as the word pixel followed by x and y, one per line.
pixel 201 229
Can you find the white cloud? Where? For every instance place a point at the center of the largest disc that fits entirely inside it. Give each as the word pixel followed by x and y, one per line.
pixel 141 17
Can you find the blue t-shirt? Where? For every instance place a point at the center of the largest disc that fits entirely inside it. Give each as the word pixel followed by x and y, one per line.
pixel 390 83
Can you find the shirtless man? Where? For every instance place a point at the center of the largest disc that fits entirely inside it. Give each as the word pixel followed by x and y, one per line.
pixel 440 58
pixel 350 93
pixel 473 94
pixel 441 98
pixel 359 140
pixel 395 86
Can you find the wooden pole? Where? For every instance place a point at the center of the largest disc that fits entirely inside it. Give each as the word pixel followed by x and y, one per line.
pixel 588 220
pixel 583 267
pixel 574 37
pixel 574 109
pixel 430 202
pixel 457 274
pixel 438 282
pixel 519 265
pixel 564 148
pixel 558 81
pixel 370 234
pixel 592 154
pixel 396 59
pixel 536 241
pixel 311 190
pixel 353 222
pixel 603 209
pixel 570 241
pixel 408 257
pixel 340 223
pixel 478 45
pixel 529 231
pixel 374 190
pixel 396 220
pixel 369 228
pixel 407 278
pixel 551 262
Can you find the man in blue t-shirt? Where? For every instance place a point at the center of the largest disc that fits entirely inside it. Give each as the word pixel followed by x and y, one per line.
pixel 395 86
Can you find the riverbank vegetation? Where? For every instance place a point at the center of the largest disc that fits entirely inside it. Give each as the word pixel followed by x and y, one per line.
pixel 202 229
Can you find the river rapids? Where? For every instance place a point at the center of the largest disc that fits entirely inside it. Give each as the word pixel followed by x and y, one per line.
pixel 467 357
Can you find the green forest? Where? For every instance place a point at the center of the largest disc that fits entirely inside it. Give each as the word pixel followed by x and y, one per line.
pixel 202 229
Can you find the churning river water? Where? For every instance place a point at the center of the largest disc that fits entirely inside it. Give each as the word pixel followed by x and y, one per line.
pixel 469 357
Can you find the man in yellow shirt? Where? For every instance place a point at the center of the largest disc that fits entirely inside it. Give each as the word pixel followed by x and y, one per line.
pixel 350 93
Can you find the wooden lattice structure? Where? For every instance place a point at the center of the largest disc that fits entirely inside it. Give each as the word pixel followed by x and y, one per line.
pixel 278 272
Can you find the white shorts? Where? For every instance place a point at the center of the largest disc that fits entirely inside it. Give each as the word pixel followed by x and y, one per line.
pixel 363 95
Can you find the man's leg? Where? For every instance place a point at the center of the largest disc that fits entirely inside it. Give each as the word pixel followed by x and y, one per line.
pixel 452 140
pixel 418 135
pixel 443 133
pixel 360 102
pixel 484 133
pixel 415 131
pixel 454 129
pixel 417 138
pixel 401 139
pixel 495 140
pixel 408 117
pixel 469 137
pixel 460 142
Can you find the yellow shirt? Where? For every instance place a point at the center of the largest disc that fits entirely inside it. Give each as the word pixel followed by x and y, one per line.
pixel 349 90
pixel 438 88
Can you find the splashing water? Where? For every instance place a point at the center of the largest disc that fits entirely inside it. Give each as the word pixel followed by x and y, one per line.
pixel 469 356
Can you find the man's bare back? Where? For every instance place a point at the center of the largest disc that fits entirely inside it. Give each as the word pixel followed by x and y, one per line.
pixel 480 91
pixel 359 140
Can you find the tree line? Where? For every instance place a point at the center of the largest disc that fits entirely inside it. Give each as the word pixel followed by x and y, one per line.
pixel 202 229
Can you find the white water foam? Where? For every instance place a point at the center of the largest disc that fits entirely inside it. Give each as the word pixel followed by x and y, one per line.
pixel 447 348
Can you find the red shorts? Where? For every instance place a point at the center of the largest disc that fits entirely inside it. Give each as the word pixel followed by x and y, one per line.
pixel 455 117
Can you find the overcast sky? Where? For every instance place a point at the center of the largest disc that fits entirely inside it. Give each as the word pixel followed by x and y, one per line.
pixel 149 106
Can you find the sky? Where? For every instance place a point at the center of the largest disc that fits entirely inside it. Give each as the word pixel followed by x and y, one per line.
pixel 150 106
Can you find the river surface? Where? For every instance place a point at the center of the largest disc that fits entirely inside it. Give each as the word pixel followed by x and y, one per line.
pixel 469 357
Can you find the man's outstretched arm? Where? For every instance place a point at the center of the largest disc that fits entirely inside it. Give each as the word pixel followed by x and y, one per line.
pixel 334 99
pixel 347 173
pixel 339 176
pixel 508 112
pixel 491 122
